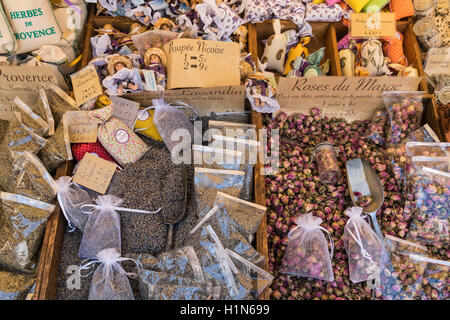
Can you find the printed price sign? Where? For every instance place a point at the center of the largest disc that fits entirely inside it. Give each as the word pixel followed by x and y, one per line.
pixel 81 128
pixel 197 63
pixel 437 62
pixel 86 84
pixel 95 173
pixel 372 25
pixel 125 110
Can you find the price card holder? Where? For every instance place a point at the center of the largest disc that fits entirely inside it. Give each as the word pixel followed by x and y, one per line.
pixel 86 84
pixel 95 173
pixel 81 128
pixel 372 25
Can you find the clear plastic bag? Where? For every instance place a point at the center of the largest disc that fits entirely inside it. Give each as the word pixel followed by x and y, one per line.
pixel 57 150
pixel 430 206
pixel 179 292
pixel 213 158
pixel 405 111
pixel 31 119
pixel 249 148
pixel 427 149
pixel 181 262
pixel 208 182
pixel 231 129
pixel 59 102
pixel 377 128
pixel 102 229
pixel 15 286
pixel 22 226
pixel 366 253
pixel 110 281
pixel 171 124
pixel 436 283
pixel 32 180
pixel 403 279
pixel 246 215
pixel 42 109
pixel 71 198
pixel 438 163
pixel 228 233
pixel 307 253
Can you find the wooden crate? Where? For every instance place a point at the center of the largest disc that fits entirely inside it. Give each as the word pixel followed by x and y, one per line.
pixel 48 265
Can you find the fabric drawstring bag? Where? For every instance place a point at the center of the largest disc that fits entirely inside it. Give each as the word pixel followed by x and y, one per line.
pixel 307 251
pixel 33 22
pixel 115 136
pixel 275 50
pixel 367 256
pixel 8 44
pixel 110 280
pixel 71 198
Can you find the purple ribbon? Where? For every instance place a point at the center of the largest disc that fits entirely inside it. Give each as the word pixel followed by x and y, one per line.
pixel 73 6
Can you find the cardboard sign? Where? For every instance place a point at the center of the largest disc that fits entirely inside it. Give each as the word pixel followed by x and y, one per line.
pixel 437 62
pixel 369 25
pixel 95 173
pixel 125 110
pixel 205 101
pixel 81 128
pixel 443 3
pixel 202 63
pixel 86 85
pixel 352 98
pixel 21 82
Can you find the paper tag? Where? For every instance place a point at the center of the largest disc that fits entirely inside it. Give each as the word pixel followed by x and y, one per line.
pixel 81 128
pixel 150 80
pixel 372 25
pixel 202 63
pixel 125 110
pixel 21 82
pixel 271 77
pixel 95 173
pixel 443 3
pixel 437 62
pixel 86 84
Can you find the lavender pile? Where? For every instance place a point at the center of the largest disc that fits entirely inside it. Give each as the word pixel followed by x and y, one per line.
pixel 296 189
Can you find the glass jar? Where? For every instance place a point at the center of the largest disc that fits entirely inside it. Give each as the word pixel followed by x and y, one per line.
pixel 327 164
pixel 427 33
pixel 424 8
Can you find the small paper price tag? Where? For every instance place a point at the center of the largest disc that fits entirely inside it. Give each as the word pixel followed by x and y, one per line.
pixel 150 80
pixel 86 84
pixel 126 110
pixel 81 128
pixel 372 25
pixel 95 173
pixel 437 62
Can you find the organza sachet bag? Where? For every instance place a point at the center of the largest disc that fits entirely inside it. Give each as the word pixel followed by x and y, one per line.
pixel 71 198
pixel 366 253
pixel 208 181
pixel 22 226
pixel 110 280
pixel 102 229
pixel 172 124
pixel 307 251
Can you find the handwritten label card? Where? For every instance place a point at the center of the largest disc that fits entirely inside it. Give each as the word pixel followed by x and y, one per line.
pixel 125 110
pixel 202 63
pixel 23 83
pixel 438 61
pixel 86 84
pixel 81 128
pixel 368 25
pixel 95 173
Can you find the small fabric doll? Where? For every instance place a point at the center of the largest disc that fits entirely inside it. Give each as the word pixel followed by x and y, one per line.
pixel 165 24
pixel 314 59
pixel 123 78
pixel 275 50
pixel 260 93
pixel 298 67
pixel 156 61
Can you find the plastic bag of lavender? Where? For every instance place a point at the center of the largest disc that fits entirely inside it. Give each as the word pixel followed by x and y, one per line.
pixel 208 182
pixel 307 250
pixel 366 253
pixel 405 111
pixel 102 229
pixel 110 281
